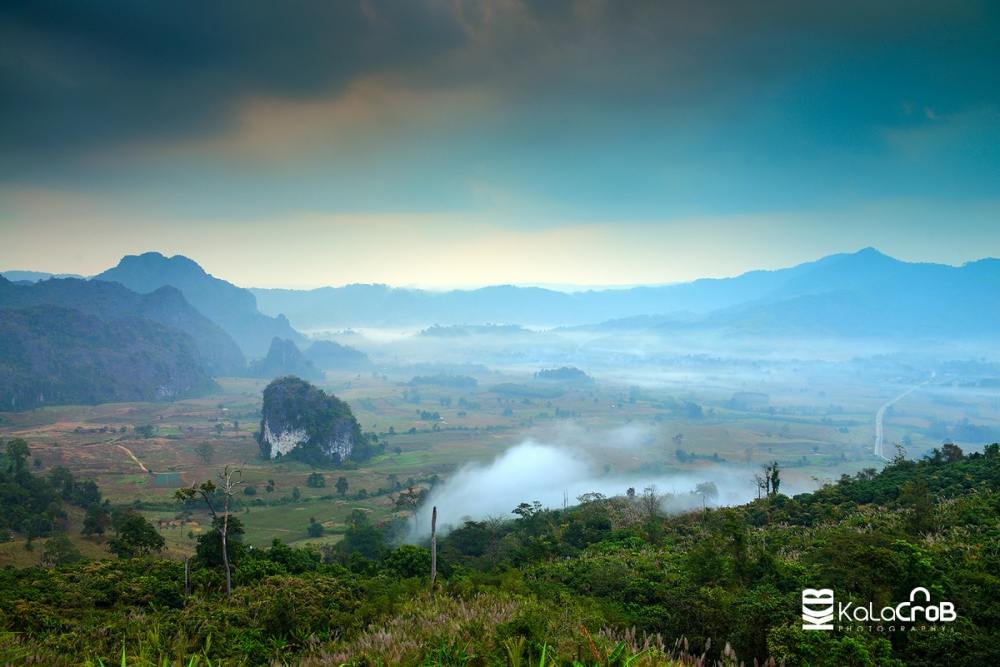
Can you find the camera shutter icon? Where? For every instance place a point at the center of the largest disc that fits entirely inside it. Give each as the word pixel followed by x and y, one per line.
pixel 817 609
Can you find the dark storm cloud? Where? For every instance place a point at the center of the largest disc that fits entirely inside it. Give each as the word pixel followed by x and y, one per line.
pixel 77 75
pixel 86 73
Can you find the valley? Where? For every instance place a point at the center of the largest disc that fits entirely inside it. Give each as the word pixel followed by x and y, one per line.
pixel 674 430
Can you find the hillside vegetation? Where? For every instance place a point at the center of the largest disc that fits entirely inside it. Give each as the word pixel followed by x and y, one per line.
pixel 611 581
pixel 110 302
pixel 51 356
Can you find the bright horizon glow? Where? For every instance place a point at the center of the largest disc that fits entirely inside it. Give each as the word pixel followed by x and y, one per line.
pixel 443 145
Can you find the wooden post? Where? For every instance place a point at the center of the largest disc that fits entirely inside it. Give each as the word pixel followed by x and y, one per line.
pixel 434 547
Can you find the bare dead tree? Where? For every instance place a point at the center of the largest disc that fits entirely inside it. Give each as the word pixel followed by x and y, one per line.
pixel 229 480
pixel 650 502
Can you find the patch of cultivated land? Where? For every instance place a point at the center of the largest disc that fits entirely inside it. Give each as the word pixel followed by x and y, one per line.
pixel 815 432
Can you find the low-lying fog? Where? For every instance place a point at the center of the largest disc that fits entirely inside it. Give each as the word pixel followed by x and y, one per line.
pixel 562 467
pixel 813 407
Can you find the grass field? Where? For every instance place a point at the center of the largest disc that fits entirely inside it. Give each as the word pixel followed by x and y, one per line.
pixel 815 429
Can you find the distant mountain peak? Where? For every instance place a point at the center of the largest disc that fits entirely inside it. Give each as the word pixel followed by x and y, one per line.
pixel 154 259
pixel 232 308
pixel 872 255
pixel 870 251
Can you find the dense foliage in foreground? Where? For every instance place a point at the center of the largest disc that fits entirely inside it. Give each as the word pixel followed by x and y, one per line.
pixel 607 582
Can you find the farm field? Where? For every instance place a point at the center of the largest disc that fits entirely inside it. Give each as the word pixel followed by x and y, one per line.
pixel 140 453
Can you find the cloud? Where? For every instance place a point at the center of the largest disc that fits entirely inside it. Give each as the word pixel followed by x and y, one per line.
pixel 85 75
pixel 371 115
pixel 80 76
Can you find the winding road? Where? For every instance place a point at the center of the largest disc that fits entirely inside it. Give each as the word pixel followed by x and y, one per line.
pixel 880 418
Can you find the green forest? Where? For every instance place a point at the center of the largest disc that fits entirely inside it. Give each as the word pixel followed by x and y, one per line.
pixel 611 581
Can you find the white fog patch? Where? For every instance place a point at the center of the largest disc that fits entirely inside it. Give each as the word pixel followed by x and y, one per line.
pixel 529 471
pixel 550 473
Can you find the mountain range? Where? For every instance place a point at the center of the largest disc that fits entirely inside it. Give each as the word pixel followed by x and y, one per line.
pixel 158 327
pixel 233 308
pixel 850 294
pixel 109 302
pixel 34 276
pixel 67 340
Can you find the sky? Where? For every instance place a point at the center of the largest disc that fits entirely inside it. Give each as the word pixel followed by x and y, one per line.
pixel 459 143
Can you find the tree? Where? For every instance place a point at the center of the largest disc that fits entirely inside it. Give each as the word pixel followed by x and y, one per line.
pixel 342 486
pixel 315 528
pixel 409 499
pixel 590 497
pixel 952 452
pixel 209 549
pixel 135 537
pixel 230 479
pixel 18 452
pixel 362 537
pixel 296 494
pixel 769 479
pixel 707 491
pixel 527 510
pixel 60 551
pixel 205 452
pixel 408 561
pixel 219 428
pixel 650 502
pixel 916 496
pixel 775 478
pixel 316 481
pixel 62 481
pixel 96 520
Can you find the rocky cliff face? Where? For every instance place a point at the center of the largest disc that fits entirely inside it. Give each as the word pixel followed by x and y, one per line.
pixel 301 420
